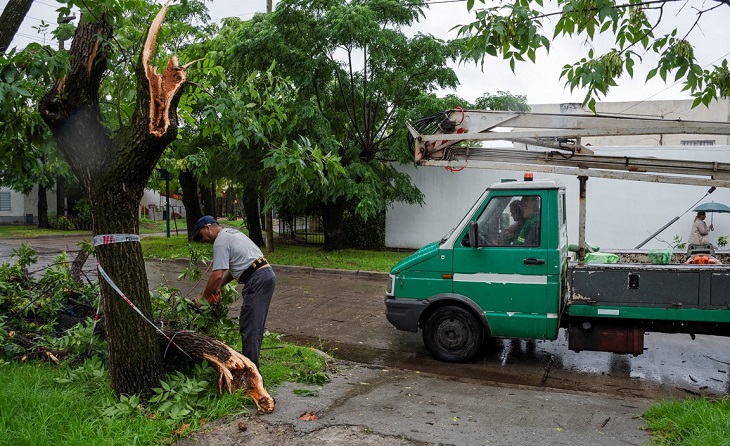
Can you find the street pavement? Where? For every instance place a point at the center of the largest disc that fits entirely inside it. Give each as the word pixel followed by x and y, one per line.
pixel 393 393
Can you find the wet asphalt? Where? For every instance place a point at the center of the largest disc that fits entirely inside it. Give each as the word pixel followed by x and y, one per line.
pixel 516 392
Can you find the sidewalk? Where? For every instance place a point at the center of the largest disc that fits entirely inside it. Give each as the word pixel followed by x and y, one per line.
pixel 365 405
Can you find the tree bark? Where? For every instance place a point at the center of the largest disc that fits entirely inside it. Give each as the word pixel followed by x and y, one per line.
pixel 207 197
pixel 113 168
pixel 235 370
pixel 270 231
pixel 60 196
pixel 42 207
pixel 333 214
pixel 251 210
pixel 11 18
pixel 190 200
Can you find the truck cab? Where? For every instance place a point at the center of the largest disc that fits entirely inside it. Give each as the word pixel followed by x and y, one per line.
pixel 501 272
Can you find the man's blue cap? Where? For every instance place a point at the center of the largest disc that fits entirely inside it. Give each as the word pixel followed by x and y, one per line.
pixel 203 221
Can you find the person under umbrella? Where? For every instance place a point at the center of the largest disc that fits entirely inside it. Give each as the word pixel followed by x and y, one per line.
pixel 700 230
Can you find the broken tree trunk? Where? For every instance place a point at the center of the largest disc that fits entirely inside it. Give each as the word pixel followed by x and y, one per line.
pixel 77 265
pixel 235 370
pixel 113 164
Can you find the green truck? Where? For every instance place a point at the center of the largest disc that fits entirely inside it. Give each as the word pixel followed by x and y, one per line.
pixel 504 274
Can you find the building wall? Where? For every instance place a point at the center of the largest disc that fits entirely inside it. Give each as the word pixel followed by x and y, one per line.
pixel 619 214
pixel 152 206
pixel 24 208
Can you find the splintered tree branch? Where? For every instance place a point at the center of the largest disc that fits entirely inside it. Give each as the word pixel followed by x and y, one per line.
pixel 235 370
pixel 162 87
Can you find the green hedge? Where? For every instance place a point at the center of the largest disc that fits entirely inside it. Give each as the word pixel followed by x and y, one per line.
pixel 361 234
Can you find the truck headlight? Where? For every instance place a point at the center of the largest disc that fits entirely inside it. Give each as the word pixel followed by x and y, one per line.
pixel 391 286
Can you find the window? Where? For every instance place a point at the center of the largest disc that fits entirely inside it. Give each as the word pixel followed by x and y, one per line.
pixel 5 201
pixel 508 221
pixel 698 142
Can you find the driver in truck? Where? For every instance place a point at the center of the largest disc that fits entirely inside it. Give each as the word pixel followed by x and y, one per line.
pixel 529 234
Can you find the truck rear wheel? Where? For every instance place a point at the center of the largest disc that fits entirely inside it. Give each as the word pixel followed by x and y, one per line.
pixel 452 334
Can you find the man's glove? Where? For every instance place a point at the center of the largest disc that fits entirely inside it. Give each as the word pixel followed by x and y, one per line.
pixel 215 298
pixel 213 301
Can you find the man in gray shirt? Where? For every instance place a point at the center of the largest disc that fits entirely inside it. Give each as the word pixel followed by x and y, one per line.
pixel 235 256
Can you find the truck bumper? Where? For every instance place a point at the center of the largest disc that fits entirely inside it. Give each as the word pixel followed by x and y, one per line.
pixel 404 313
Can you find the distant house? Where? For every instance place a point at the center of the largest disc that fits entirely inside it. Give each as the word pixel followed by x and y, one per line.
pixel 153 205
pixel 22 209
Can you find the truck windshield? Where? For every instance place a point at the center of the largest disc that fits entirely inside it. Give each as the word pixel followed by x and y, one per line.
pixel 466 218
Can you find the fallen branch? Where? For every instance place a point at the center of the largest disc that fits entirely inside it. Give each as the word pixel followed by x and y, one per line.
pixel 235 370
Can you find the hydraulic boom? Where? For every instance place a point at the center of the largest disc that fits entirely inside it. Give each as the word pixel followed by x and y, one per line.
pixel 553 143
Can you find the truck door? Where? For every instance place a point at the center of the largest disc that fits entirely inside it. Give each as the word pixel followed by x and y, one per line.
pixel 506 275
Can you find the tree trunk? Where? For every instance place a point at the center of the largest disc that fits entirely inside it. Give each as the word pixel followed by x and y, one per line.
pixel 11 18
pixel 333 215
pixel 113 169
pixel 251 210
pixel 134 357
pixel 207 197
pixel 190 200
pixel 60 196
pixel 270 231
pixel 42 207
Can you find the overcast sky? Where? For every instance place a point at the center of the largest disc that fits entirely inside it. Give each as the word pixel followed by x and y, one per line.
pixel 540 82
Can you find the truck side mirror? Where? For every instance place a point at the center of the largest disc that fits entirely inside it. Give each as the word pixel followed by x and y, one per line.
pixel 473 234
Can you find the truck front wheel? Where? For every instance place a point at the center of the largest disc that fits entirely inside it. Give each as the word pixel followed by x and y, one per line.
pixel 452 334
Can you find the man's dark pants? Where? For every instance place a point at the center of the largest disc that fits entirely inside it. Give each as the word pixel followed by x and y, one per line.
pixel 257 294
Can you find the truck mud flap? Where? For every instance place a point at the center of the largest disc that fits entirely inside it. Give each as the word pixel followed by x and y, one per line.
pixel 606 337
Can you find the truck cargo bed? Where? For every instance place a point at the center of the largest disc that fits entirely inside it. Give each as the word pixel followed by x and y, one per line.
pixel 653 286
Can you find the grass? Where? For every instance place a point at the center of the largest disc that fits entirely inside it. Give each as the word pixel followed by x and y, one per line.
pixel 177 247
pixel 35 409
pixel 690 422
pixel 145 227
pixel 285 252
pixel 29 231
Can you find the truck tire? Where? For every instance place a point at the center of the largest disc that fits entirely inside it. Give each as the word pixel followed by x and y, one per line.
pixel 452 334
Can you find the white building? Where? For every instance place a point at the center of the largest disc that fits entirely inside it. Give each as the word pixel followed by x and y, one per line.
pixel 22 209
pixel 620 214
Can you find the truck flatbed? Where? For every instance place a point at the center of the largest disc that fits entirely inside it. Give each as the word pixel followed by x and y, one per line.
pixel 648 285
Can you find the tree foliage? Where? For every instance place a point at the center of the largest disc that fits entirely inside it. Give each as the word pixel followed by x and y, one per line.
pixel 235 114
pixel 28 155
pixel 518 29
pixel 354 72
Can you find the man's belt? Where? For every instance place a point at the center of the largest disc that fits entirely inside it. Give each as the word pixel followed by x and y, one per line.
pixel 256 265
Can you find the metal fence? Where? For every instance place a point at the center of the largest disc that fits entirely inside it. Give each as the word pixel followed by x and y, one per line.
pixel 307 229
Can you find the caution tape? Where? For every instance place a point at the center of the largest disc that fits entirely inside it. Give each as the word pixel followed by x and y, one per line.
pixel 107 239
pixel 134 307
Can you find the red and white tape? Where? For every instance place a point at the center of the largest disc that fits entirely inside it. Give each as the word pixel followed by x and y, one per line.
pixel 107 239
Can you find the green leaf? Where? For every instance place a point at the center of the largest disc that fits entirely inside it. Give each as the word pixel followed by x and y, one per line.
pixel 651 73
